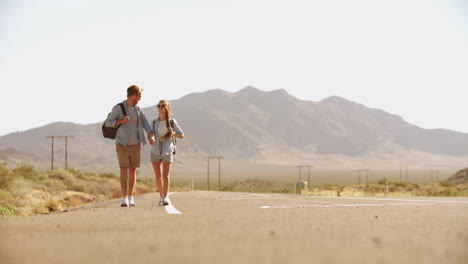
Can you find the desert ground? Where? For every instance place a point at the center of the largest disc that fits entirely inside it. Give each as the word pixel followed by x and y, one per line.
pixel 224 227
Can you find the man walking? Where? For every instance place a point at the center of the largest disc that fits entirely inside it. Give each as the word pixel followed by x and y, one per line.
pixel 128 141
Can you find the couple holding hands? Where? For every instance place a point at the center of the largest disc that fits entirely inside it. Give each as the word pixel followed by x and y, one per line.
pixel 130 136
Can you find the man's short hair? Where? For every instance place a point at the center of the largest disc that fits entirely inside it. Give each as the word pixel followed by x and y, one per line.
pixel 133 90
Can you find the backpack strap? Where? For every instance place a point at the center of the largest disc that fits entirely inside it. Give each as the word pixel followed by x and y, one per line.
pixel 171 123
pixel 123 109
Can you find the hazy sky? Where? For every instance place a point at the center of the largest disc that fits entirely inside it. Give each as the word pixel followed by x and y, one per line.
pixel 73 60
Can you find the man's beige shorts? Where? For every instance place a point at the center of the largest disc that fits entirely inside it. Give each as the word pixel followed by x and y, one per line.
pixel 129 156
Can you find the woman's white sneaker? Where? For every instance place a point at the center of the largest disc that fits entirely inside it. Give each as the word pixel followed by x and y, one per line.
pixel 124 202
pixel 131 201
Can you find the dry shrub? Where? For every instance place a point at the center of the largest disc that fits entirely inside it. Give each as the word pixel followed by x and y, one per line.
pixel 74 171
pixel 108 175
pixel 21 187
pixel 400 184
pixel 79 188
pixel 79 200
pixel 259 185
pixel 61 174
pixel 103 187
pixel 26 171
pixel 55 186
pixel 6 198
pixel 86 176
pixel 8 210
pixel 48 205
pixel 67 178
pixel 446 184
pixel 75 201
pixel 6 176
pixel 411 187
pixel 333 187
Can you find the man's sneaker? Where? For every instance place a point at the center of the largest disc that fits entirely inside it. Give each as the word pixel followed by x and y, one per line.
pixel 131 201
pixel 161 202
pixel 124 202
pixel 165 202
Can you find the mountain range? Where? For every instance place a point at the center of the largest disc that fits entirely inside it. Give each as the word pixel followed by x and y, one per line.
pixel 259 127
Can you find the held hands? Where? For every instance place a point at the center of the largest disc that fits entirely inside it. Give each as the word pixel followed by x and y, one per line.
pixel 151 138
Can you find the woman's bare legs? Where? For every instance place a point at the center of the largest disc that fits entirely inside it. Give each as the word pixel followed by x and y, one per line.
pixel 166 180
pixel 157 174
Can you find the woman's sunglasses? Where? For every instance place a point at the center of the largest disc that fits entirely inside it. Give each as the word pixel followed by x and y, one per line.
pixel 161 106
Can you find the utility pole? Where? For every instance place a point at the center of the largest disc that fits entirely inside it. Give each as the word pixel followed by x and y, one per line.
pixel 367 175
pixel 52 154
pixel 436 173
pixel 208 176
pixel 400 174
pixel 193 182
pixel 308 172
pixel 208 171
pixel 433 172
pixel 406 173
pixel 219 173
pixel 52 150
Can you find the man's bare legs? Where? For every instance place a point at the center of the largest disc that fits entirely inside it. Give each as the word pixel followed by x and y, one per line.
pixel 127 184
pixel 124 181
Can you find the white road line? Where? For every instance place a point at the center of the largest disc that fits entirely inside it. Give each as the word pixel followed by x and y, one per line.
pixel 253 198
pixel 408 204
pixel 386 199
pixel 292 206
pixel 352 205
pixel 335 205
pixel 261 195
pixel 170 209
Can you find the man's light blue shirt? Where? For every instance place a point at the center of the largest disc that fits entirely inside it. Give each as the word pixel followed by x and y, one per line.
pixel 123 133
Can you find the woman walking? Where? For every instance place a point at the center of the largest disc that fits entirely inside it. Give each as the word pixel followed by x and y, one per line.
pixel 165 130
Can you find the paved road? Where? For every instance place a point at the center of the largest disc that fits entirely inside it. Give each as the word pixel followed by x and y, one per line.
pixel 218 227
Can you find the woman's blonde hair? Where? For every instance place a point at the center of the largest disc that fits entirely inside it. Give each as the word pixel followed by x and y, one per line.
pixel 168 115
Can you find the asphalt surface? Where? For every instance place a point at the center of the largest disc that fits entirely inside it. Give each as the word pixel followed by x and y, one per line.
pixel 221 227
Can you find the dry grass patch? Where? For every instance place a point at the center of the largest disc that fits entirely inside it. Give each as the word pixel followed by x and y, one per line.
pixel 6 176
pixel 48 205
pixel 259 185
pixel 25 191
